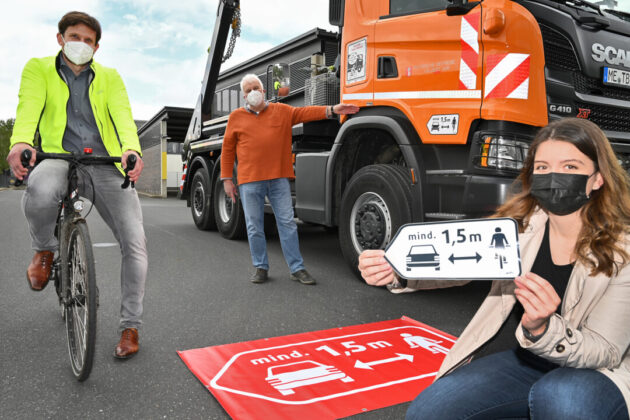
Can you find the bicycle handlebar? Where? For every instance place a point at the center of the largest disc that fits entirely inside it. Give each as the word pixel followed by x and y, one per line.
pixel 26 156
pixel 131 163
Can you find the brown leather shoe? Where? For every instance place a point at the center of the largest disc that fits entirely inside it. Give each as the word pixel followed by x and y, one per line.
pixel 38 270
pixel 128 344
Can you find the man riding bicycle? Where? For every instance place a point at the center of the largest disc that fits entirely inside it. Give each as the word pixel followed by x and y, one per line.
pixel 75 103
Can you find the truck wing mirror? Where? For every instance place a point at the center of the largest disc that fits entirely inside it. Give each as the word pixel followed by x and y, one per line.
pixel 460 7
pixel 280 75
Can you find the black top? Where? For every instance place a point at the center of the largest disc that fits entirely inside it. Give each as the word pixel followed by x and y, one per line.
pixel 558 277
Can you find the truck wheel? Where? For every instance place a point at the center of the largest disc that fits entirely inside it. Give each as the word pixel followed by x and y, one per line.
pixel 229 216
pixel 200 205
pixel 376 202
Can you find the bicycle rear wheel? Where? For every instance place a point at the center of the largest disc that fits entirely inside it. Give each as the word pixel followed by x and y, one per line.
pixel 79 282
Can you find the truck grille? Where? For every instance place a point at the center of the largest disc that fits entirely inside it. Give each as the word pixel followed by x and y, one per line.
pixel 560 55
pixel 608 118
pixel 592 86
pixel 559 51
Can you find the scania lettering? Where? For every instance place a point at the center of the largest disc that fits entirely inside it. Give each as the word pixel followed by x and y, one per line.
pixel 611 55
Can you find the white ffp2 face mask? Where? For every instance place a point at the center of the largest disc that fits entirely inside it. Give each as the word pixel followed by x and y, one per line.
pixel 77 52
pixel 254 98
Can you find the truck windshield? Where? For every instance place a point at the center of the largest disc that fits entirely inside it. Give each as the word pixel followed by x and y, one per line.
pixel 618 8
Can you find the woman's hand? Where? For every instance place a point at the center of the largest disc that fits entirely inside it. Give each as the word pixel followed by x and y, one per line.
pixel 539 300
pixel 374 268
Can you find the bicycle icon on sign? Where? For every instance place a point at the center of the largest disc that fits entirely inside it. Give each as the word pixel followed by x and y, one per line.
pixel 499 242
pixel 417 341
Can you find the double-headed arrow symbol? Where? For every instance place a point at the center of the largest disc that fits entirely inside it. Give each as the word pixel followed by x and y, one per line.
pixel 368 365
pixel 452 258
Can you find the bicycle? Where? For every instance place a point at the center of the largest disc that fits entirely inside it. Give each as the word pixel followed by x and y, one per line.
pixel 73 270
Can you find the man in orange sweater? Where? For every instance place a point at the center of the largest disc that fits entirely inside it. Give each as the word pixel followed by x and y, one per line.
pixel 259 135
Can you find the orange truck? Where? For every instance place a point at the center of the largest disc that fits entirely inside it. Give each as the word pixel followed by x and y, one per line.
pixel 451 94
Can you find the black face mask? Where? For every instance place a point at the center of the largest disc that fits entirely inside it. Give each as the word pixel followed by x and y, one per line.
pixel 560 193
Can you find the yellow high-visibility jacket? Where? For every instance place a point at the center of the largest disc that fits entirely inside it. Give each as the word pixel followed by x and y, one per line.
pixel 43 102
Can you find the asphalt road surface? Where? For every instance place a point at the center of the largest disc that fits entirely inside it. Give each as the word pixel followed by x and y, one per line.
pixel 197 295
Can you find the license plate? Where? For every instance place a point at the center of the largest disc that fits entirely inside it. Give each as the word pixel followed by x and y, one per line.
pixel 616 77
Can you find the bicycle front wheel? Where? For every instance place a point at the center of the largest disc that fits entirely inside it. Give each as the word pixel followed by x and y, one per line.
pixel 79 280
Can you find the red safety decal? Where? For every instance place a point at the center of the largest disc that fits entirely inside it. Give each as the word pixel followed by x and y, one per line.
pixel 507 76
pixel 469 34
pixel 183 180
pixel 322 374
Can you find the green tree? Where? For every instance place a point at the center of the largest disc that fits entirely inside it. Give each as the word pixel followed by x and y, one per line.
pixel 6 129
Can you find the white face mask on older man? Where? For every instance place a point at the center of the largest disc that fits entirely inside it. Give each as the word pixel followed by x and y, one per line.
pixel 255 98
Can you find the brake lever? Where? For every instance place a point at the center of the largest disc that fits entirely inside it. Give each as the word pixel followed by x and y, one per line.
pixel 131 163
pixel 25 158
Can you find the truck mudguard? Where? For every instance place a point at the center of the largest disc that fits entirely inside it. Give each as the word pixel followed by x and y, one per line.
pixel 403 133
pixel 198 162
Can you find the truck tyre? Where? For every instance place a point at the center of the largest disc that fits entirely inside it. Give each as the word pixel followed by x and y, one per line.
pixel 200 204
pixel 376 202
pixel 229 216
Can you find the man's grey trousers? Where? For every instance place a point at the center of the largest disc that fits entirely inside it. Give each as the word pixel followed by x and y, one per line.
pixel 119 208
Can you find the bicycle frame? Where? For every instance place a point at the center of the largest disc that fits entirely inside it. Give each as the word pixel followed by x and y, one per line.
pixel 70 207
pixel 73 269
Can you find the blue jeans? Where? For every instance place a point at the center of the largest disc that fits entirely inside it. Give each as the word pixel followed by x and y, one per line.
pixel 119 208
pixel 253 198
pixel 502 386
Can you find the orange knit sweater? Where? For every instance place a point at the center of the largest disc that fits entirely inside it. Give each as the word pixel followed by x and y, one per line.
pixel 262 143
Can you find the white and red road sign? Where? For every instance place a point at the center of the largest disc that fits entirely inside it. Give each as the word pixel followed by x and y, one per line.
pixel 467 249
pixel 322 374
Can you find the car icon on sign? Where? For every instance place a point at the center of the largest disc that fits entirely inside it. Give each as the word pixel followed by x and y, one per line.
pixel 422 256
pixel 286 377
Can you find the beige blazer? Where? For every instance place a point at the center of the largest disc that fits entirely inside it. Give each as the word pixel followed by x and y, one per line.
pixel 592 332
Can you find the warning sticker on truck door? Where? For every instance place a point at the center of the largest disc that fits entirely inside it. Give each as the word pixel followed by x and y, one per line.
pixel 443 124
pixel 355 61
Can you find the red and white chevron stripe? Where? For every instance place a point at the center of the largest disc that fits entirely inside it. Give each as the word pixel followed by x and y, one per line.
pixel 507 76
pixel 470 51
pixel 181 183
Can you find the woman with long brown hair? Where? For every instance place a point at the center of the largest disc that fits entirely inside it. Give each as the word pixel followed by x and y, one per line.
pixel 566 321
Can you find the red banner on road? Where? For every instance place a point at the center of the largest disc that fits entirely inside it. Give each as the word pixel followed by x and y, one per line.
pixel 322 374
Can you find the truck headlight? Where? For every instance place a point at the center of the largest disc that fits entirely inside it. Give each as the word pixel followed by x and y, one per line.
pixel 502 153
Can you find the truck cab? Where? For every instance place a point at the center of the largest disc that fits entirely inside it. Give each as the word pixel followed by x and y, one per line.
pixel 452 93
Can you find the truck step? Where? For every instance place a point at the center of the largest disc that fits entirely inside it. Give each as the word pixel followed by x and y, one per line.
pixel 447 177
pixel 444 216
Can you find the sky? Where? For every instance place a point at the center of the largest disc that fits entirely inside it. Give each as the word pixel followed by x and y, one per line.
pixel 159 47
